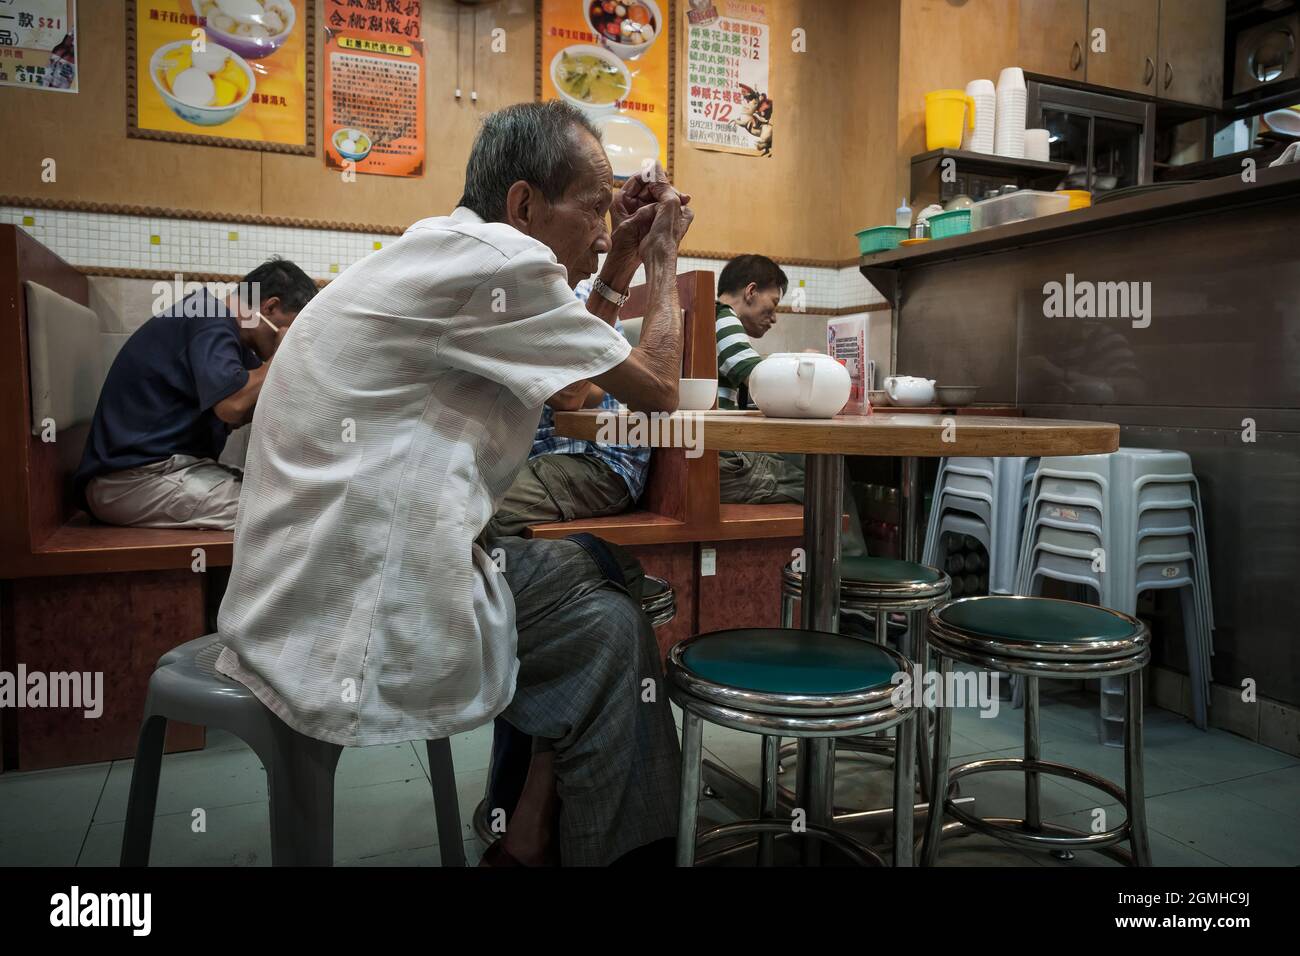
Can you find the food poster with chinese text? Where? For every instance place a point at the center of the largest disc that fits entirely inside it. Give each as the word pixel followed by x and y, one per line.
pixel 225 69
pixel 726 101
pixel 374 103
pixel 38 46
pixel 610 59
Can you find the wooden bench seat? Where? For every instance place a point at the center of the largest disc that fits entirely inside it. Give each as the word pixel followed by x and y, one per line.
pixel 735 522
pixel 84 546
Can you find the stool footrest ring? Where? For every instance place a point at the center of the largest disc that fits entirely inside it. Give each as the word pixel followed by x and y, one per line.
pixel 1048 835
pixel 1001 827
pixel 852 848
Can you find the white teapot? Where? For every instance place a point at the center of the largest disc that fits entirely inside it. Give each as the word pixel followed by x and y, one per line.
pixel 910 390
pixel 799 385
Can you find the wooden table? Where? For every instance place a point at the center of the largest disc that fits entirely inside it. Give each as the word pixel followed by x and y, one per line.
pixel 895 434
pixel 825 442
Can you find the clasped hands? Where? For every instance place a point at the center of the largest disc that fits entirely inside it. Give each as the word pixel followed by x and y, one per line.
pixel 649 217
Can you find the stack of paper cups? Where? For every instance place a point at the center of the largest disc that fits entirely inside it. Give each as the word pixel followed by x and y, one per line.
pixel 1009 123
pixel 1038 145
pixel 980 139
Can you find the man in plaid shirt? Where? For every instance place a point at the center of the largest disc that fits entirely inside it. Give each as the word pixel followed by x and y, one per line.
pixel 568 478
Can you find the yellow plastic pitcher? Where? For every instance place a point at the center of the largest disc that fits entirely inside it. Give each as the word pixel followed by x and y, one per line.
pixel 944 112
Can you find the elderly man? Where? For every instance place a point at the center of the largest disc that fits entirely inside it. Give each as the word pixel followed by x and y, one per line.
pixel 362 608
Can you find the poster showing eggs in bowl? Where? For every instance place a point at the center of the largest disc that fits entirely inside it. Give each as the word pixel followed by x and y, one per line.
pixel 609 58
pixel 233 72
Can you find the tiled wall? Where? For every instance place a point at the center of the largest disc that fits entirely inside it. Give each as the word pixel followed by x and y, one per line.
pixel 187 245
pixel 103 241
pixel 90 240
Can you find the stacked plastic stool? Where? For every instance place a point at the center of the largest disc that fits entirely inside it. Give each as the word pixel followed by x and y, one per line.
pixel 1119 525
pixel 982 498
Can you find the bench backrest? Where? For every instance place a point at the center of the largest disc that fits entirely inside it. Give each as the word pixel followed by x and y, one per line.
pixel 668 490
pixel 36 475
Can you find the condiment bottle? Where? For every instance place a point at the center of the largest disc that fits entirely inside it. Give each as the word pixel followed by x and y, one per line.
pixel 903 215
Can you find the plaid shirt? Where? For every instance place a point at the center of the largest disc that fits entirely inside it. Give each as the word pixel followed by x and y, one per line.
pixel 627 462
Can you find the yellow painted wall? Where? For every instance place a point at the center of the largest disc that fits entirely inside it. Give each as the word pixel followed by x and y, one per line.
pixel 835 129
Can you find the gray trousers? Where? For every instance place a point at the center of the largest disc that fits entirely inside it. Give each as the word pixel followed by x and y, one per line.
pixel 591 688
pixel 181 492
pixel 765 478
pixel 560 488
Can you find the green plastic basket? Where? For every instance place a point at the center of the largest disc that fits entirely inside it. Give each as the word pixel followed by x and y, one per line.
pixel 880 239
pixel 954 222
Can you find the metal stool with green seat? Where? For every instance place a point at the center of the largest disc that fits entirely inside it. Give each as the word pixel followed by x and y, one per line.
pixel 790 683
pixel 881 586
pixel 1041 637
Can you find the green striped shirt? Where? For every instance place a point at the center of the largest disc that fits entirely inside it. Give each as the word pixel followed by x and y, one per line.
pixel 736 359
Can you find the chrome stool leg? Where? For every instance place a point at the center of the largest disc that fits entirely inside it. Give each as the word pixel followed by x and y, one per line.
pixel 767 797
pixel 918 652
pixel 787 620
pixel 688 815
pixel 904 787
pixel 1033 753
pixel 1134 785
pixel 939 779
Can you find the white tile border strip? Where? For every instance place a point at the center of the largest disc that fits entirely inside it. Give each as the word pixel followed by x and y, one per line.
pixel 92 240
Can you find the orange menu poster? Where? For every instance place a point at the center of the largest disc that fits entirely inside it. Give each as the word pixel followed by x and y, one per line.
pixel 611 61
pixel 374 103
pixel 202 73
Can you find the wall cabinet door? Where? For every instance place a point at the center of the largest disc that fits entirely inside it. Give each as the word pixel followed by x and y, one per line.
pixel 1191 51
pixel 1132 40
pixel 1053 37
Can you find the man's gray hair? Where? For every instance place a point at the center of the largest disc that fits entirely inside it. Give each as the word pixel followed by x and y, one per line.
pixel 533 142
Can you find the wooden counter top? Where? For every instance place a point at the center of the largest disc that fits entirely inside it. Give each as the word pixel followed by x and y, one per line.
pixel 879 434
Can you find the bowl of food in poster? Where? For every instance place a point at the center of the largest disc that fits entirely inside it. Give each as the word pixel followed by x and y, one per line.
pixel 628 27
pixel 629 144
pixel 351 143
pixel 591 78
pixel 206 88
pixel 252 28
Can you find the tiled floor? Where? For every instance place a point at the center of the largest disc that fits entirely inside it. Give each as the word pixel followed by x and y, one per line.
pixel 1212 798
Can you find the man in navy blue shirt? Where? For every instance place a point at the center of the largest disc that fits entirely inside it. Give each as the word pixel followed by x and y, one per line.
pixel 175 390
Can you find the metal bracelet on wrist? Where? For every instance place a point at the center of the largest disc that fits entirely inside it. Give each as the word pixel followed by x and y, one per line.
pixel 601 288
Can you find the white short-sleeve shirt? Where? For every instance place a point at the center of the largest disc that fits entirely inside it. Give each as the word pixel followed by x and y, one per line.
pixel 392 421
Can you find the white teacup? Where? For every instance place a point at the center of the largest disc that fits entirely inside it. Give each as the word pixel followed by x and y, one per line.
pixel 696 394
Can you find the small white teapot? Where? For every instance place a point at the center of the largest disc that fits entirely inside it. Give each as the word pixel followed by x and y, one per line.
pixel 910 390
pixel 800 385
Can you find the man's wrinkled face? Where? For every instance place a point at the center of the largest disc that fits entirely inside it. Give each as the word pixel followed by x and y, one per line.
pixel 576 227
pixel 757 309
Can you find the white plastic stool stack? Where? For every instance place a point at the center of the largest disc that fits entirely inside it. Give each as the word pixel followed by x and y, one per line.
pixel 1119 525
pixel 983 498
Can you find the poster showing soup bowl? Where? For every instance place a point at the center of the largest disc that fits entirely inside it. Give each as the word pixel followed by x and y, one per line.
pixel 224 72
pixel 610 59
